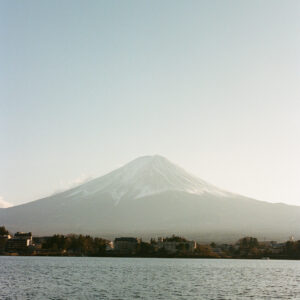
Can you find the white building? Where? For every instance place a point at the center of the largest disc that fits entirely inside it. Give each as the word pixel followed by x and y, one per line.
pixel 176 244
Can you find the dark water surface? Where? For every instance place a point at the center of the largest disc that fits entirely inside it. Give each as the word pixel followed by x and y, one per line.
pixel 147 278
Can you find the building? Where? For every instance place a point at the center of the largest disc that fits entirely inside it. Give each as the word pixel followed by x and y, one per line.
pixel 273 247
pixel 126 245
pixel 20 242
pixel 176 244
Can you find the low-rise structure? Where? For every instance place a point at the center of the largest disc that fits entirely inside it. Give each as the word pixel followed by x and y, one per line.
pixel 176 244
pixel 272 246
pixel 20 242
pixel 126 245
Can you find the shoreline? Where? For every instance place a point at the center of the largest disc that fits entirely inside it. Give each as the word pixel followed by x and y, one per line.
pixel 158 257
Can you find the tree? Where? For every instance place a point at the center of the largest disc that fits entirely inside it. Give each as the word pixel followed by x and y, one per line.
pixel 248 243
pixel 205 251
pixel 145 249
pixel 3 230
pixel 175 238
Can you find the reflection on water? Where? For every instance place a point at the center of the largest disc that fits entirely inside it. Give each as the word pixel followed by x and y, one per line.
pixel 143 278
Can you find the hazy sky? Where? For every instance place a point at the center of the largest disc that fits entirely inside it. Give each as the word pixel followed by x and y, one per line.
pixel 86 86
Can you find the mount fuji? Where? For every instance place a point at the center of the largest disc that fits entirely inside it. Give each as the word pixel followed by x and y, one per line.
pixel 151 196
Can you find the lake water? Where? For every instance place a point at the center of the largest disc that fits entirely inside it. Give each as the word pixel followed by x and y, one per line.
pixel 147 278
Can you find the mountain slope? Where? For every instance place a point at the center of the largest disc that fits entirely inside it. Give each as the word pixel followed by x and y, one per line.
pixel 151 196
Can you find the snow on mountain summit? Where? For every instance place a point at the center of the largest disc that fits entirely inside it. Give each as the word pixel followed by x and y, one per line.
pixel 144 176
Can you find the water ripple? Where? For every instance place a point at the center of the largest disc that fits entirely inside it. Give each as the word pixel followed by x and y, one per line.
pixel 135 278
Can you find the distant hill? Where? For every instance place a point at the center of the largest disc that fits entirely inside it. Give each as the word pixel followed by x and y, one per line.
pixel 150 196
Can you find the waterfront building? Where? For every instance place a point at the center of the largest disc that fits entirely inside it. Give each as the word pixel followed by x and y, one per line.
pixel 20 242
pixel 176 244
pixel 126 245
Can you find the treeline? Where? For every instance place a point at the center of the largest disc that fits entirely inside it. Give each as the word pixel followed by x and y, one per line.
pixel 291 250
pixel 250 247
pixel 85 245
pixel 73 244
pixel 3 231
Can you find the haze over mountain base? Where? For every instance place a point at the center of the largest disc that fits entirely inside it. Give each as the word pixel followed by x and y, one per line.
pixel 150 197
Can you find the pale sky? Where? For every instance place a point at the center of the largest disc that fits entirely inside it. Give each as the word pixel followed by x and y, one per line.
pixel 87 86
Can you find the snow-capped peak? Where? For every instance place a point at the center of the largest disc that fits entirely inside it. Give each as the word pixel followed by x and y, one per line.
pixel 145 176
